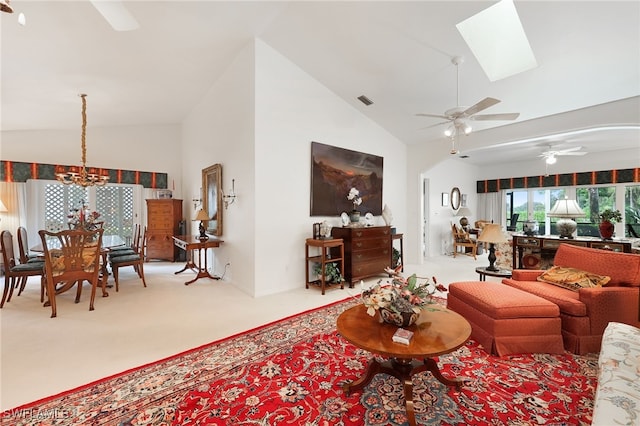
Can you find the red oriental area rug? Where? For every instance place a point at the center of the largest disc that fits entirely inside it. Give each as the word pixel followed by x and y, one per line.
pixel 291 372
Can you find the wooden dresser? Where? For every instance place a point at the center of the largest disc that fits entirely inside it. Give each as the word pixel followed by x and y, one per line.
pixel 163 220
pixel 367 251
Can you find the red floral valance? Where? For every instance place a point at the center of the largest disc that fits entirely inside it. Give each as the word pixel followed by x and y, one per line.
pixel 564 179
pixel 16 171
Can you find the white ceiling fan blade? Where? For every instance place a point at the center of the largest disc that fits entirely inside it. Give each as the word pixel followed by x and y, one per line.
pixel 116 14
pixel 489 117
pixel 482 105
pixel 575 148
pixel 433 115
pixel 571 153
pixel 435 125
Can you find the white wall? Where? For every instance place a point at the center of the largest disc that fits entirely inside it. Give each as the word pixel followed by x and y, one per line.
pixel 268 152
pixel 145 148
pixel 458 174
pixel 220 130
pixel 292 110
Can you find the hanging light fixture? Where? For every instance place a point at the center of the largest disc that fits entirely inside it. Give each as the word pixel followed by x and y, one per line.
pixel 80 175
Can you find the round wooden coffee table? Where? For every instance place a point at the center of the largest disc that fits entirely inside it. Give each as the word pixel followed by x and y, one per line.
pixel 438 331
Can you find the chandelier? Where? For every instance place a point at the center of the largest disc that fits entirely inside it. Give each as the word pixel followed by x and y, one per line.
pixel 80 175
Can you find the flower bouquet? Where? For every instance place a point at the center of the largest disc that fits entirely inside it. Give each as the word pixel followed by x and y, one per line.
pixel 83 219
pixel 356 199
pixel 400 301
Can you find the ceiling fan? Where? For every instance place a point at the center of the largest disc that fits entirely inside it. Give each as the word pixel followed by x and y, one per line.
pixel 116 14
pixel 458 117
pixel 550 155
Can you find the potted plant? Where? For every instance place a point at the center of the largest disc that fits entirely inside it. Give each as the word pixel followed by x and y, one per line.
pixel 356 199
pixel 607 218
pixel 332 272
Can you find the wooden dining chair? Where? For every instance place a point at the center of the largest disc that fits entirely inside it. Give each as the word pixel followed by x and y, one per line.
pixel 16 274
pixel 133 248
pixel 462 239
pixel 25 256
pixel 71 257
pixel 136 260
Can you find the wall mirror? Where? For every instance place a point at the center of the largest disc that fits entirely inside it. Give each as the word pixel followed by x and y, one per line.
pixel 212 198
pixel 455 198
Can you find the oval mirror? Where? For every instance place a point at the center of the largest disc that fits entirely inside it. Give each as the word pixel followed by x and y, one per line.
pixel 212 198
pixel 455 198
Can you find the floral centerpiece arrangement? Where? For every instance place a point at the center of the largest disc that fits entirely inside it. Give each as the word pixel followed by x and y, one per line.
pixel 354 197
pixel 400 301
pixel 83 218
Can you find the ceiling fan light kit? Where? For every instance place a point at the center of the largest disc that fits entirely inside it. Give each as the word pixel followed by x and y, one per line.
pixel 457 118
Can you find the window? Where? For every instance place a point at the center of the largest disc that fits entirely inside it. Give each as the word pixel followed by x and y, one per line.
pixel 115 203
pixel 533 204
pixel 632 211
pixel 593 201
pixel 60 199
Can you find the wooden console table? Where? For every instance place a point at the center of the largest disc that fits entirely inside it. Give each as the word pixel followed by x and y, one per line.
pixel 191 243
pixel 547 245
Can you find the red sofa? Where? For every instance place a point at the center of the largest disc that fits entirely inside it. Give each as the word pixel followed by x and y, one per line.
pixel 586 313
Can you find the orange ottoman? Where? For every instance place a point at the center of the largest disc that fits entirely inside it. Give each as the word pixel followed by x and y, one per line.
pixel 505 320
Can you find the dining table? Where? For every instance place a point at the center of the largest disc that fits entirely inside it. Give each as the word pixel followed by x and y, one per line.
pixel 108 242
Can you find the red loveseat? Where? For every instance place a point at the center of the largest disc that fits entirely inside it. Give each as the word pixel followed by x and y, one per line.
pixel 586 313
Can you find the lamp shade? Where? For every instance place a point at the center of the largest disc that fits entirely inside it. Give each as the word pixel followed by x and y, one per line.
pixel 3 208
pixel 202 215
pixel 492 233
pixel 464 211
pixel 566 208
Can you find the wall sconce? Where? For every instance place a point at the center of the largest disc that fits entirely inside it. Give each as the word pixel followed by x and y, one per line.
pixel 231 196
pixel 197 202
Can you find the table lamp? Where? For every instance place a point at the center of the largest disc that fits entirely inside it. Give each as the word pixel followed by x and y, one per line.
pixel 492 233
pixel 202 216
pixel 566 210
pixel 464 212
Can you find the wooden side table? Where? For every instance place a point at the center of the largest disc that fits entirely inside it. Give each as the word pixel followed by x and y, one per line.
pixel 484 272
pixel 327 255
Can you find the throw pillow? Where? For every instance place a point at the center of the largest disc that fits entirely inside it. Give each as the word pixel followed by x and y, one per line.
pixel 572 279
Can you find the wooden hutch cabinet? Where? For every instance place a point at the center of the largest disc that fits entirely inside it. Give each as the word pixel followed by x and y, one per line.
pixel 163 221
pixel 367 251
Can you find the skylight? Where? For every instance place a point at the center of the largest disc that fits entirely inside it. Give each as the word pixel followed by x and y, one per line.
pixel 497 39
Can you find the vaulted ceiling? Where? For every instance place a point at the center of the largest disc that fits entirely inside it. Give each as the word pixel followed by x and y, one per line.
pixel 396 53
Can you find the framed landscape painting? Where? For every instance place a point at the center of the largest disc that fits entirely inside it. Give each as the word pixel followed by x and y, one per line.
pixel 334 171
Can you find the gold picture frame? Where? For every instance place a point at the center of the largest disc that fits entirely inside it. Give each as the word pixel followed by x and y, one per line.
pixel 212 198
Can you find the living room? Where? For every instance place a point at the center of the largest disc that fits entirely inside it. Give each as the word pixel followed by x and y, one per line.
pixel 260 126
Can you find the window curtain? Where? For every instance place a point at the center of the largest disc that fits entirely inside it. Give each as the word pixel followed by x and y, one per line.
pixel 14 196
pixel 490 207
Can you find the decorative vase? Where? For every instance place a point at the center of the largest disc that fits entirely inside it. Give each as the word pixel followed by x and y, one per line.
pixel 354 216
pixel 402 319
pixel 530 227
pixel 606 230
